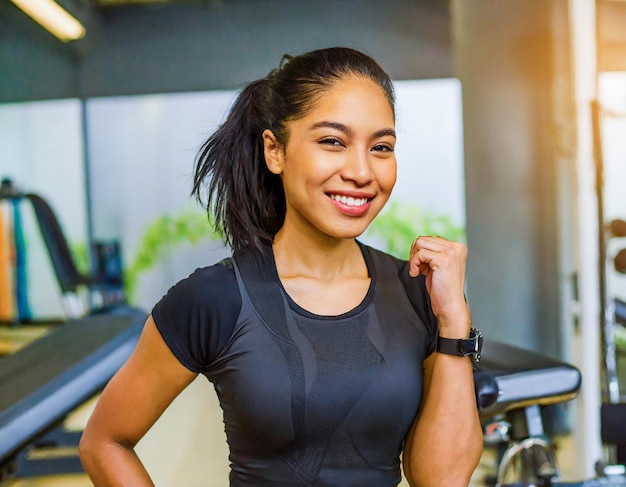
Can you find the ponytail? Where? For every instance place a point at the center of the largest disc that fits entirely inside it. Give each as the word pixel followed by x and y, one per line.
pixel 245 199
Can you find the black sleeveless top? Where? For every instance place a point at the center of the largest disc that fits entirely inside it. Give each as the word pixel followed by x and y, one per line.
pixel 308 400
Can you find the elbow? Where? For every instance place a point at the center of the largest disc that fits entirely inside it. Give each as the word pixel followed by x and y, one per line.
pixel 94 450
pixel 87 450
pixel 103 458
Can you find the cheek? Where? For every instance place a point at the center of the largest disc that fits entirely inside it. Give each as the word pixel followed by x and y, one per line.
pixel 386 176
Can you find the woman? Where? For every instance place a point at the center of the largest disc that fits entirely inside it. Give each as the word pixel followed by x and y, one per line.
pixel 321 349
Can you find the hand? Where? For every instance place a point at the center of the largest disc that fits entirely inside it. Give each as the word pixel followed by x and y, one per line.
pixel 443 264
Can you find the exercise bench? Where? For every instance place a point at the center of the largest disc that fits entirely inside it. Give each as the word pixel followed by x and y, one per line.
pixel 46 380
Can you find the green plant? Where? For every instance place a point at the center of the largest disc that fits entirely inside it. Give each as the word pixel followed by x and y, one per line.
pixel 160 237
pixel 399 225
pixel 80 254
pixel 620 337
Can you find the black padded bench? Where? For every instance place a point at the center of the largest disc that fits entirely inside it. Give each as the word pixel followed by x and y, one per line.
pixel 512 385
pixel 46 380
pixel 510 378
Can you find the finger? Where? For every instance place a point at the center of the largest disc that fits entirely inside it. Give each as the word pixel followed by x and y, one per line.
pixel 454 250
pixel 414 262
pixel 429 253
pixel 426 242
pixel 429 242
pixel 434 259
pixel 419 261
pixel 414 266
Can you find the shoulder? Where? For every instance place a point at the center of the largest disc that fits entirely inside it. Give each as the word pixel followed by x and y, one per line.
pixel 197 316
pixel 206 284
pixel 208 275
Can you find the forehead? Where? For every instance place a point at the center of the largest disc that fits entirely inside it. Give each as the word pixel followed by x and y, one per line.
pixel 352 96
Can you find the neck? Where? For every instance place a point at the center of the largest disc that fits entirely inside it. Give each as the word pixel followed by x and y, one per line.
pixel 295 254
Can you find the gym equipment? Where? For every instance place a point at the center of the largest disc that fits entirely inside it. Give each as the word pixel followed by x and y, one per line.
pixel 104 284
pixel 525 382
pixel 525 378
pixel 46 380
pixel 513 389
pixel 42 382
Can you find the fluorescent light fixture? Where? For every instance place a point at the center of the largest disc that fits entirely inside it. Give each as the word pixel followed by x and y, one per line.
pixel 52 17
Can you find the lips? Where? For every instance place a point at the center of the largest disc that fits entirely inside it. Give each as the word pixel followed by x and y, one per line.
pixel 350 205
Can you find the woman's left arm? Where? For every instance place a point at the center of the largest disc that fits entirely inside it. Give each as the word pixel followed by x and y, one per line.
pixel 444 444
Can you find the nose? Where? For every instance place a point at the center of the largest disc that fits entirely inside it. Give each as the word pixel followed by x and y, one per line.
pixel 357 168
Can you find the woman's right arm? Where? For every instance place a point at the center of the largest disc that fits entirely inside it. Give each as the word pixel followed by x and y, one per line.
pixel 129 405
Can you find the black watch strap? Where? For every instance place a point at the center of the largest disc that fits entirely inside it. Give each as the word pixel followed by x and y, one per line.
pixel 462 347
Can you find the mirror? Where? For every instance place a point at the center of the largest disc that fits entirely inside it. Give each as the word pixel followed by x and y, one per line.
pixel 42 153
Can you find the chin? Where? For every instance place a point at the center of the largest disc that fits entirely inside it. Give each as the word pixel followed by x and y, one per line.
pixel 348 233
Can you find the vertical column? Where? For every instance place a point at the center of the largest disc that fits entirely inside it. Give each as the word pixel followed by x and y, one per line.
pixel 503 58
pixel 587 340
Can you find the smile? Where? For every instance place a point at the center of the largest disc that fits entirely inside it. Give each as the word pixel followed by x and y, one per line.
pixel 349 200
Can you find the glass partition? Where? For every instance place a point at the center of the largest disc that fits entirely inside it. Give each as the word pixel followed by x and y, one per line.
pixel 42 153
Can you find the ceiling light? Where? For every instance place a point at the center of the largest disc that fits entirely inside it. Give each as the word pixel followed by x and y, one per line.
pixel 52 17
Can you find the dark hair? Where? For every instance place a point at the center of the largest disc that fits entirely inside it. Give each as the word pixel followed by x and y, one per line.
pixel 245 201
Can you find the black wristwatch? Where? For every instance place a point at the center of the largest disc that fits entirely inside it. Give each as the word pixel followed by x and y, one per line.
pixel 462 347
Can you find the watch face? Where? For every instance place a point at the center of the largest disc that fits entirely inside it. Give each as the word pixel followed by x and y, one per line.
pixel 473 345
pixel 477 338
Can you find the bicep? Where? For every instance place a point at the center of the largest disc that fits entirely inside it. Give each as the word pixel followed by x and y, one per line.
pixel 140 391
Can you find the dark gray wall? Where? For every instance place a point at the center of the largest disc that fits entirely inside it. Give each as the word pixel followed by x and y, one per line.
pixel 33 64
pixel 189 46
pixel 505 52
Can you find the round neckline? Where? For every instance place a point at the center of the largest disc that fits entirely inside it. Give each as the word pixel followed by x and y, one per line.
pixel 348 314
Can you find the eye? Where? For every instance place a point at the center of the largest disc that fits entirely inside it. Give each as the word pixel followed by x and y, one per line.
pixel 333 141
pixel 383 148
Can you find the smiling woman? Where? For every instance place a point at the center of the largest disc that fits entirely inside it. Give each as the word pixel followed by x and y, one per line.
pixel 322 350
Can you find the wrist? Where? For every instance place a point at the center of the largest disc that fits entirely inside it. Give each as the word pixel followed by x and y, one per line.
pixel 456 328
pixel 470 346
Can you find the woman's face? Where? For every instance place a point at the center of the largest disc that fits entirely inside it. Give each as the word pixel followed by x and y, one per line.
pixel 338 167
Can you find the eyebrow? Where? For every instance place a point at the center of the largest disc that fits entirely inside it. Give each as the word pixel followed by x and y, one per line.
pixel 348 131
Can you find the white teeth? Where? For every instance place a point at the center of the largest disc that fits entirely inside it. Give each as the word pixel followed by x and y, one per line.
pixel 349 200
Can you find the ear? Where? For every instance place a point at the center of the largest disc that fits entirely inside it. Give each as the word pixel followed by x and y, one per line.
pixel 273 151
